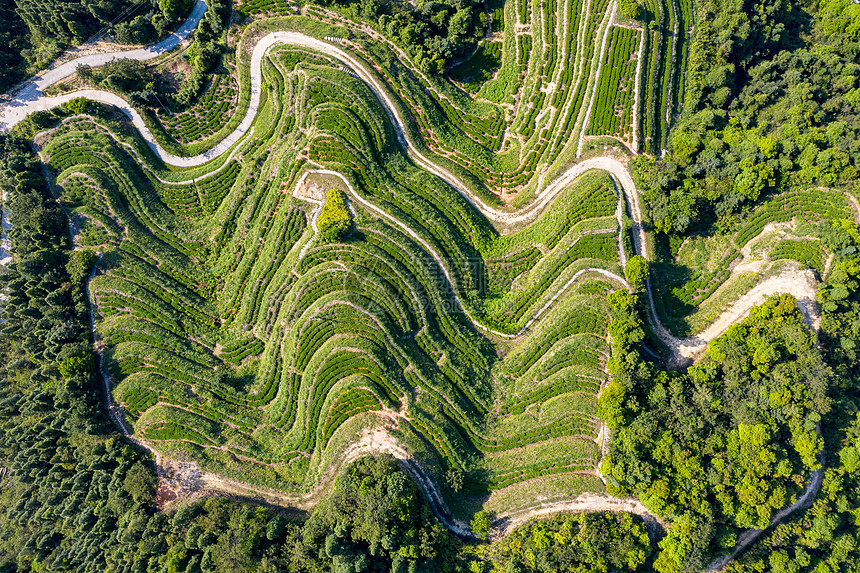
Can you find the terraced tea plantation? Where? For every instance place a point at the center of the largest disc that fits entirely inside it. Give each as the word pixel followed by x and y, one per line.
pixel 236 335
pixel 596 258
pixel 250 326
pixel 208 116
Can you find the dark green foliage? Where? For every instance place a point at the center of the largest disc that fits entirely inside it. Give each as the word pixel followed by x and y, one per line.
pixel 593 542
pixel 433 34
pixel 630 9
pixel 481 525
pixel 770 104
pixel 722 447
pixel 13 41
pixel 124 76
pixel 81 364
pixel 73 22
pixel 480 67
pixel 387 525
pixel 45 317
pixel 824 537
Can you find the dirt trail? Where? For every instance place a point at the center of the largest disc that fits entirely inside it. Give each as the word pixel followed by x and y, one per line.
pixel 185 480
pixel 30 96
pixel 854 205
pixel 792 280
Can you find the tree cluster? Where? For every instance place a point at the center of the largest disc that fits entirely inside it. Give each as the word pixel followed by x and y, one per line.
pixel 335 219
pixel 433 33
pixel 593 542
pixel 135 80
pixel 46 315
pixel 824 537
pixel 124 76
pixel 772 102
pixel 205 53
pixel 721 447
pixel 72 22
pixel 14 39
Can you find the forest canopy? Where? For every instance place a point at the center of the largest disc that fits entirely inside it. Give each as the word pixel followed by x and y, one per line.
pixel 772 102
pixel 723 446
pixel 433 33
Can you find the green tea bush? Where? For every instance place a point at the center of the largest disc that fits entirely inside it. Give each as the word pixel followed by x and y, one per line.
pixel 348 404
pixel 480 67
pixel 812 206
pixel 810 254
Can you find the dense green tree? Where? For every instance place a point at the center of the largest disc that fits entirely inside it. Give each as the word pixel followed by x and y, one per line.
pixel 433 33
pixel 387 526
pixel 72 22
pixel 636 270
pixel 335 220
pixel 824 537
pixel 14 39
pixel 630 9
pixel 723 446
pixel 481 525
pixel 593 542
pixel 772 102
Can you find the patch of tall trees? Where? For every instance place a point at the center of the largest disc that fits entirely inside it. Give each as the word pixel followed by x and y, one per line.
pixel 772 102
pixel 433 33
pixel 35 32
pixel 136 80
pixel 593 542
pixel 13 40
pixel 825 536
pixel 723 446
pixel 74 21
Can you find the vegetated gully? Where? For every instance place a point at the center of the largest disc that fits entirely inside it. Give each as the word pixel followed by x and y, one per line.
pixel 31 98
